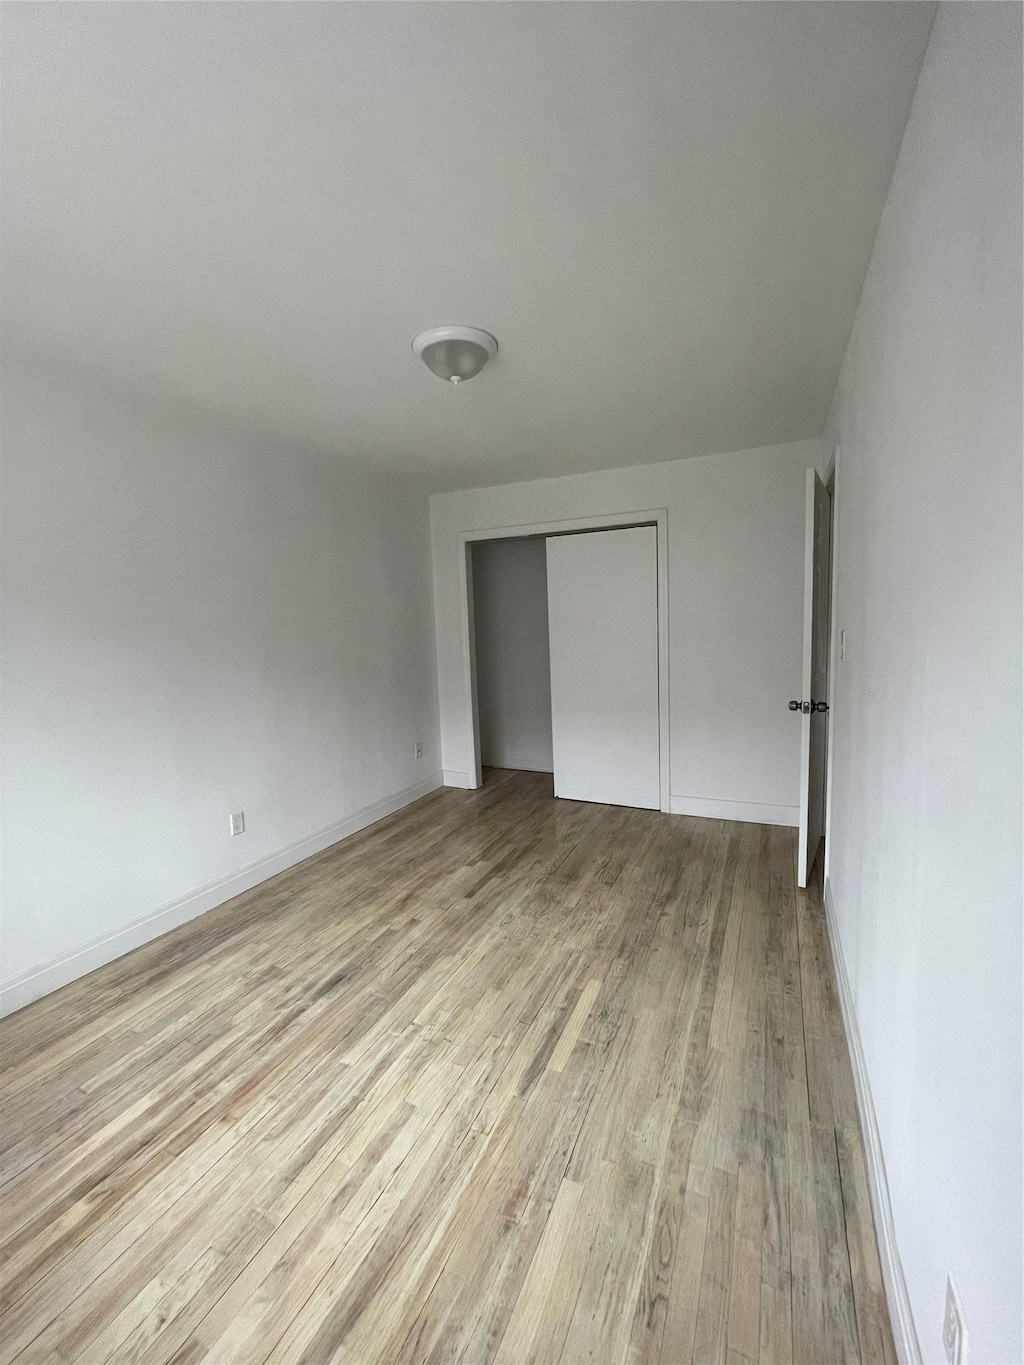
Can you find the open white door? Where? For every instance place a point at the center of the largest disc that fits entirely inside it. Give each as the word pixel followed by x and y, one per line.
pixel 603 630
pixel 812 704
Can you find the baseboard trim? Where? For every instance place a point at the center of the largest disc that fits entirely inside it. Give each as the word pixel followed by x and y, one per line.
pixel 905 1333
pixel 61 971
pixel 451 777
pixel 750 812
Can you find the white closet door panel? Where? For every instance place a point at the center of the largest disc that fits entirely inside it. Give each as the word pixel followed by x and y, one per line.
pixel 603 628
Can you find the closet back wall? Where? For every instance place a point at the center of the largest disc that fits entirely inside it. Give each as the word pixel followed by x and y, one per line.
pixel 510 607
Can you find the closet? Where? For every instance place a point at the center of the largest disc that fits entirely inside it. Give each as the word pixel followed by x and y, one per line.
pixel 566 632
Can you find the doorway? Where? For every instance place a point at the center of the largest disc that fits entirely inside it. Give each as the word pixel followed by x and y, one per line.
pixel 814 704
pixel 513 665
pixel 507 641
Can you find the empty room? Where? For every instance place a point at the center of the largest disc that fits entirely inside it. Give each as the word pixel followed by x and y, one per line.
pixel 511 724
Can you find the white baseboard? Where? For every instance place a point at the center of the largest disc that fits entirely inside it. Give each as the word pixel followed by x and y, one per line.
pixel 905 1333
pixel 750 812
pixel 22 990
pixel 451 777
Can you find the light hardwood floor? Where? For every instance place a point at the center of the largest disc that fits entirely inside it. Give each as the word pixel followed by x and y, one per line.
pixel 500 1079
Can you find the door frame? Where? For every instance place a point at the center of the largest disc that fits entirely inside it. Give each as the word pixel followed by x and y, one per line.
pixel 608 521
pixel 832 484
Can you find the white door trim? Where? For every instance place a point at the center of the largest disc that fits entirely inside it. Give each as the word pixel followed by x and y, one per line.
pixel 833 640
pixel 609 521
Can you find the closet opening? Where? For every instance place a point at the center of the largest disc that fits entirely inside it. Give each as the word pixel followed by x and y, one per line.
pixel 513 661
pixel 566 641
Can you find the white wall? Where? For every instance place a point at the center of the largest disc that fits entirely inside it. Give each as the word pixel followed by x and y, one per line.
pixel 193 625
pixel 513 666
pixel 735 547
pixel 925 861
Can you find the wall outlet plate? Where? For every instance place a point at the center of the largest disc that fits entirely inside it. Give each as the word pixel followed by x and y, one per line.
pixel 954 1337
pixel 417 751
pixel 238 822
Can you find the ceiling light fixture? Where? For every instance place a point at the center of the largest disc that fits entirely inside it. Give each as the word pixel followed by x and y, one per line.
pixel 455 353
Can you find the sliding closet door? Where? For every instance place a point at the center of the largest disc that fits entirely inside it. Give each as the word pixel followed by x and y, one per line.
pixel 603 629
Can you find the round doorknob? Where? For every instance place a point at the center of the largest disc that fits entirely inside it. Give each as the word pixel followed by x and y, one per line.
pixel 794 706
pixel 819 705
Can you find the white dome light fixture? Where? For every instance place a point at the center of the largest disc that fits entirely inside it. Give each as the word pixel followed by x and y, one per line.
pixel 455 353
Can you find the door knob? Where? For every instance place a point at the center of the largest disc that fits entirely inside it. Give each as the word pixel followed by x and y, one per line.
pixel 804 706
pixel 819 705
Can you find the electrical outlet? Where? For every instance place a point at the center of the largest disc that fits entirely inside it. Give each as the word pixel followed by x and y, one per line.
pixel 954 1337
pixel 238 822
pixel 417 750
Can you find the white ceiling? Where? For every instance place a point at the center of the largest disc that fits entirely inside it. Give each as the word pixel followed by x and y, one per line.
pixel 664 213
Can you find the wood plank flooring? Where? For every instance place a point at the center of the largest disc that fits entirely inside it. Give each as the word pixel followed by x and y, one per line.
pixel 500 1079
